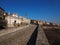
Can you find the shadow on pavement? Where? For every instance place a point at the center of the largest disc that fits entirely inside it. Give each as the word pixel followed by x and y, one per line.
pixel 1 28
pixel 33 38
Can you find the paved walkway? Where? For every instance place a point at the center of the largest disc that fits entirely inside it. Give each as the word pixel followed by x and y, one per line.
pixel 6 31
pixel 27 35
pixel 41 37
pixel 38 37
pixel 19 37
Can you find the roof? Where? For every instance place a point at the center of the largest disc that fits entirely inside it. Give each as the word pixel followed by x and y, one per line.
pixel 2 8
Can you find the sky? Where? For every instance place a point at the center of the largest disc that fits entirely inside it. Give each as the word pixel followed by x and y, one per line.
pixel 46 10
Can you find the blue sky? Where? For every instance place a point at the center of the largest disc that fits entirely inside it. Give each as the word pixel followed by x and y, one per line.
pixel 46 10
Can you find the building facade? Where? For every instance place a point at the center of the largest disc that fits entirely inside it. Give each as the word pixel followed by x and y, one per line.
pixel 13 20
pixel 25 20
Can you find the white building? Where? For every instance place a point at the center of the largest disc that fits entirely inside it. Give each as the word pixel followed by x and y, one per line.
pixel 11 19
pixel 41 22
pixel 25 20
